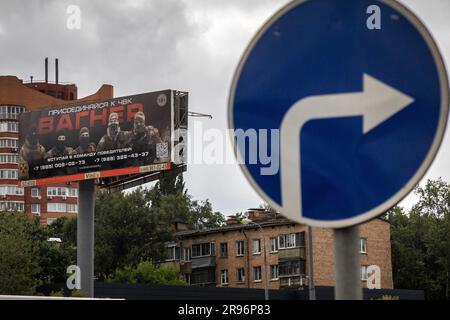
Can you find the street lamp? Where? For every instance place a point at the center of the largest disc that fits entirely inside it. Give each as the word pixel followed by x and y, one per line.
pixel 266 288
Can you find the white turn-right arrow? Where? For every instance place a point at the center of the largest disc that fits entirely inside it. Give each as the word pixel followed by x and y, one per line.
pixel 376 103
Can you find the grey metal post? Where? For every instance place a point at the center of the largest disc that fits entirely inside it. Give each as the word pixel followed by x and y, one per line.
pixel 85 236
pixel 312 289
pixel 346 264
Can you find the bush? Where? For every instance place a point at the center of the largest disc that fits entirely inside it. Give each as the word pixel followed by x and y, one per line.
pixel 147 272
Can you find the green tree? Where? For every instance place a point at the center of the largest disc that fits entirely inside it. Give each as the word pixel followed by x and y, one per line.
pixel 20 238
pixel 146 272
pixel 126 232
pixel 202 215
pixel 55 257
pixel 420 242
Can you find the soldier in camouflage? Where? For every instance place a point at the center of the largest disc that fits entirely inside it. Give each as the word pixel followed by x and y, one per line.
pixel 31 154
pixel 144 138
pixel 60 149
pixel 86 146
pixel 114 138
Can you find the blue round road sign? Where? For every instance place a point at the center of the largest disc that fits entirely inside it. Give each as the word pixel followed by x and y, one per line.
pixel 358 94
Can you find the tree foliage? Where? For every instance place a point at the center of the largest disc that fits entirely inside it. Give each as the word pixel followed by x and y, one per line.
pixel 146 272
pixel 19 247
pixel 133 227
pixel 420 241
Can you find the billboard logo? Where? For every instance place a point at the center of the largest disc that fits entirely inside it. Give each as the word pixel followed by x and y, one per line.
pixel 161 100
pixel 92 175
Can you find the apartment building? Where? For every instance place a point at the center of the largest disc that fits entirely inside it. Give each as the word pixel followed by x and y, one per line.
pixel 233 255
pixel 17 96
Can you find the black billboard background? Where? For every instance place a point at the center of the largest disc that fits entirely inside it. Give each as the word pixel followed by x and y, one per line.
pixel 158 114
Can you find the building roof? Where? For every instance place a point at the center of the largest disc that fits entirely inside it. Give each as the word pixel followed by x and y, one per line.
pixel 234 227
pixel 14 92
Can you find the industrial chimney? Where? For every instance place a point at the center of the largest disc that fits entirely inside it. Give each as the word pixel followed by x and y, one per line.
pixel 46 70
pixel 56 70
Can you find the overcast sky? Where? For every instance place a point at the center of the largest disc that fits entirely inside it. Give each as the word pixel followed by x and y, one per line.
pixel 190 45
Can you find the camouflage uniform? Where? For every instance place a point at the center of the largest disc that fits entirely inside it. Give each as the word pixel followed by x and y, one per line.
pixel 107 142
pixel 145 142
pixel 85 145
pixel 55 152
pixel 30 156
pixel 90 148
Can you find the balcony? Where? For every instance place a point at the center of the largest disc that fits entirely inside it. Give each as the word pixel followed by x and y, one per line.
pixel 293 281
pixel 292 253
pixel 203 262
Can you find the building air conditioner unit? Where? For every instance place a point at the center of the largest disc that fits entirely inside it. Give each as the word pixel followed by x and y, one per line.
pixel 64 197
pixel 49 197
pixel 39 197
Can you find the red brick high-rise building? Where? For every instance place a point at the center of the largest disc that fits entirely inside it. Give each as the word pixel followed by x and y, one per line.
pixel 49 202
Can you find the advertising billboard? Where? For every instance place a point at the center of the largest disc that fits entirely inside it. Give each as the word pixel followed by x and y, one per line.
pixel 121 136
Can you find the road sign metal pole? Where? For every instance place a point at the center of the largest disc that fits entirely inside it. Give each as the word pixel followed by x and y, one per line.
pixel 312 289
pixel 85 236
pixel 346 264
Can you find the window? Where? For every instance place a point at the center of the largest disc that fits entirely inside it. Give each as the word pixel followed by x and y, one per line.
pixel 172 253
pixel 273 244
pixel 274 272
pixel 257 273
pixel 256 246
pixel 11 190
pixel 12 206
pixel 35 192
pixel 50 221
pixel 239 248
pixel 224 250
pixel 291 240
pixel 60 192
pixel 9 127
pixel 10 112
pixel 72 208
pixel 8 158
pixel 9 143
pixel 36 208
pixel 73 192
pixel 240 274
pixel 224 277
pixel 56 207
pixel 9 174
pixel 187 254
pixel 203 249
pixel 363 245
pixel 364 274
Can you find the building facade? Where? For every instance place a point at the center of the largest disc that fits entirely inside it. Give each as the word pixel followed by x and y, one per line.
pixel 49 202
pixel 233 255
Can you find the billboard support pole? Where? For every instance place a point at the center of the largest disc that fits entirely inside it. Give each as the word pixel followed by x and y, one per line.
pixel 85 236
pixel 346 264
